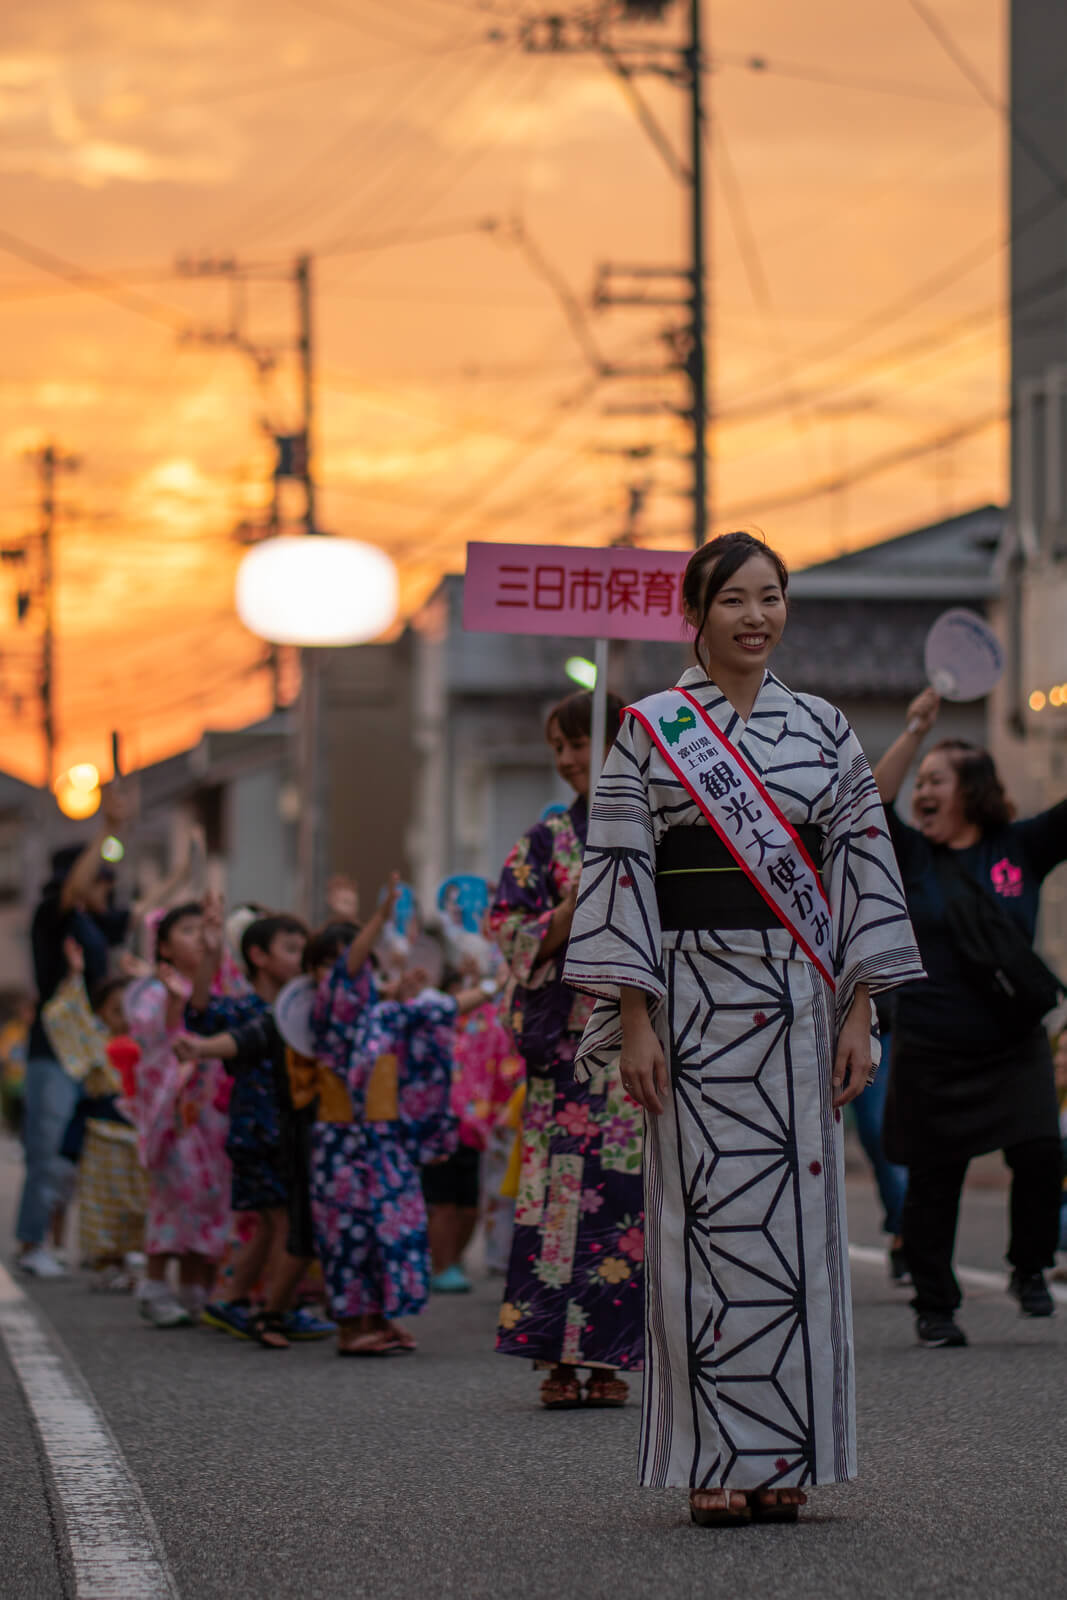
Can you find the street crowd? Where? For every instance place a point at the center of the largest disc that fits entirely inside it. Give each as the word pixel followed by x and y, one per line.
pixel 631 1068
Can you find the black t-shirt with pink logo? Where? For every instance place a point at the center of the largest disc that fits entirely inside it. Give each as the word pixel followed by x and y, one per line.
pixel 1010 862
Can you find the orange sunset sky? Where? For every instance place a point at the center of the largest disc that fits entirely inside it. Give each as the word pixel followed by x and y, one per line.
pixel 857 201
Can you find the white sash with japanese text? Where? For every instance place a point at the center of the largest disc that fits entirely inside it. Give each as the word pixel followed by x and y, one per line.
pixel 761 840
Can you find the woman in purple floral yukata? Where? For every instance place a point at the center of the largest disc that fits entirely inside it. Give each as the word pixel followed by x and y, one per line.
pixel 575 1287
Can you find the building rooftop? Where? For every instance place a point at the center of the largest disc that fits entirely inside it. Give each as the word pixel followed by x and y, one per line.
pixel 953 560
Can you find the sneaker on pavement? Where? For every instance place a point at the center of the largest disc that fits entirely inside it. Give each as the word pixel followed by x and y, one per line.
pixel 229 1316
pixel 304 1324
pixel 112 1280
pixel 1031 1291
pixel 163 1311
pixel 41 1263
pixel 939 1330
pixel 899 1271
pixel 453 1280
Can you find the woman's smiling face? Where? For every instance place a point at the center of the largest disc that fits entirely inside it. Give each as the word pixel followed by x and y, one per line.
pixel 937 803
pixel 572 757
pixel 745 620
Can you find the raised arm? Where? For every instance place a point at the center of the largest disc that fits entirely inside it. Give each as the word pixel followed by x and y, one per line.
pixel 117 809
pixel 894 766
pixel 193 858
pixel 360 949
pixel 214 934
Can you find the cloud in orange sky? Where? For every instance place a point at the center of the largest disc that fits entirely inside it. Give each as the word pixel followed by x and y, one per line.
pixel 453 401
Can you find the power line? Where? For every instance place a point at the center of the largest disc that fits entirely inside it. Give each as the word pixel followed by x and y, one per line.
pixel 1006 112
pixel 360 21
pixel 388 198
pixel 440 527
pixel 920 345
pixel 876 321
pixel 312 186
pixel 761 66
pixel 759 286
pixel 519 236
pixel 873 468
pixel 281 82
pixel 352 244
pixel 92 282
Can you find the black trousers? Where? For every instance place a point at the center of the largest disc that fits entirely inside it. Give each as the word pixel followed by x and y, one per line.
pixel 931 1212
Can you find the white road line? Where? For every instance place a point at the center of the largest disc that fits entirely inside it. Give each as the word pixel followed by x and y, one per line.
pixel 115 1549
pixel 974 1276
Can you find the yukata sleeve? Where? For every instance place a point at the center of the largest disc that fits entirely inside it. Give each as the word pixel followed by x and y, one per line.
pixel 154 1106
pixel 616 940
pixel 506 1066
pixel 255 1039
pixel 425 1090
pixel 222 1014
pixel 525 900
pixel 873 938
pixel 340 1002
pixel 73 1031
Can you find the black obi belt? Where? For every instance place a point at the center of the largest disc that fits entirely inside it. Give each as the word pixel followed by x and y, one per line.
pixel 700 886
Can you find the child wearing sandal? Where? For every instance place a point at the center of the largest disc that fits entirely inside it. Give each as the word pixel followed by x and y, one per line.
pixel 391 1060
pixel 180 1113
pixel 239 1030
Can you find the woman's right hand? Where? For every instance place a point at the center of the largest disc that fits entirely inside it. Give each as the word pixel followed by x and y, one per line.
pixel 642 1067
pixel 922 713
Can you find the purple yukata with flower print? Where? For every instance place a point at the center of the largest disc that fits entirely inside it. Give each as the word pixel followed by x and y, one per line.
pixel 366 1196
pixel 575 1288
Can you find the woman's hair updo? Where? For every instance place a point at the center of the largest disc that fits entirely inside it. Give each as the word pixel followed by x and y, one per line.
pixel 712 567
pixel 982 794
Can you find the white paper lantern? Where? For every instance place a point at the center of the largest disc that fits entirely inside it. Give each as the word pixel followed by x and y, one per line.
pixel 313 589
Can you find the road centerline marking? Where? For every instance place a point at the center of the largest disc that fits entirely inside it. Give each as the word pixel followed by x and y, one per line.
pixel 114 1546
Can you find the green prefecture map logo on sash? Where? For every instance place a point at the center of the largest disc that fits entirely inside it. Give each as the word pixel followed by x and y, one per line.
pixel 684 722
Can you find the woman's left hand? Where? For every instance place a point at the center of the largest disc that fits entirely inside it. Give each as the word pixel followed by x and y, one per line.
pixel 853 1062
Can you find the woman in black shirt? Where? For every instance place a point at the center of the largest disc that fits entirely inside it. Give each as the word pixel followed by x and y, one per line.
pixel 969 1075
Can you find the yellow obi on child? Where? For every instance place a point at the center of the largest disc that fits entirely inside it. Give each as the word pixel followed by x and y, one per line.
pixel 309 1078
pixel 383 1091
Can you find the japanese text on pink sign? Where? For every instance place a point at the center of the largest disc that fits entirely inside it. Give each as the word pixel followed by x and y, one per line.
pixel 591 593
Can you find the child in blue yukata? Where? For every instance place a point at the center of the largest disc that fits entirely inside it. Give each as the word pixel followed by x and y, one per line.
pixel 269 1178
pixel 385 1069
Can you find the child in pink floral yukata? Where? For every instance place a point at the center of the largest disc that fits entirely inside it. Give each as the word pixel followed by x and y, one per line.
pixel 486 1073
pixel 391 1060
pixel 180 1114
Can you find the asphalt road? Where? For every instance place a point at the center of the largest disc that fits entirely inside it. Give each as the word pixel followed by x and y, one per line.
pixel 286 1475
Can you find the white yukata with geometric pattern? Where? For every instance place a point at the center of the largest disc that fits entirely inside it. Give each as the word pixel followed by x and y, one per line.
pixel 749 1374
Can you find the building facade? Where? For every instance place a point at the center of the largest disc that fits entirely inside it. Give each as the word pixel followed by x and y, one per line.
pixel 856 632
pixel 1029 723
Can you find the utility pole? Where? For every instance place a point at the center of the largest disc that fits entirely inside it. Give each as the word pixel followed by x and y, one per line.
pixel 38 593
pixel 294 461
pixel 593 33
pixel 302 280
pixel 698 357
pixel 46 459
pixel 309 734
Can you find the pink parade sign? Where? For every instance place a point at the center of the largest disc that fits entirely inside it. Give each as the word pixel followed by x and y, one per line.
pixel 591 593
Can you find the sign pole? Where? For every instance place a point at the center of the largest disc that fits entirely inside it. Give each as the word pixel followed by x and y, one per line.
pixel 598 737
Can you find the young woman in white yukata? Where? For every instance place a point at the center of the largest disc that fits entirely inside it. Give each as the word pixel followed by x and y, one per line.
pixel 739 906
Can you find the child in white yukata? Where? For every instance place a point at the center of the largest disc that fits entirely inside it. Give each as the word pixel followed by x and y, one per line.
pixel 391 1060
